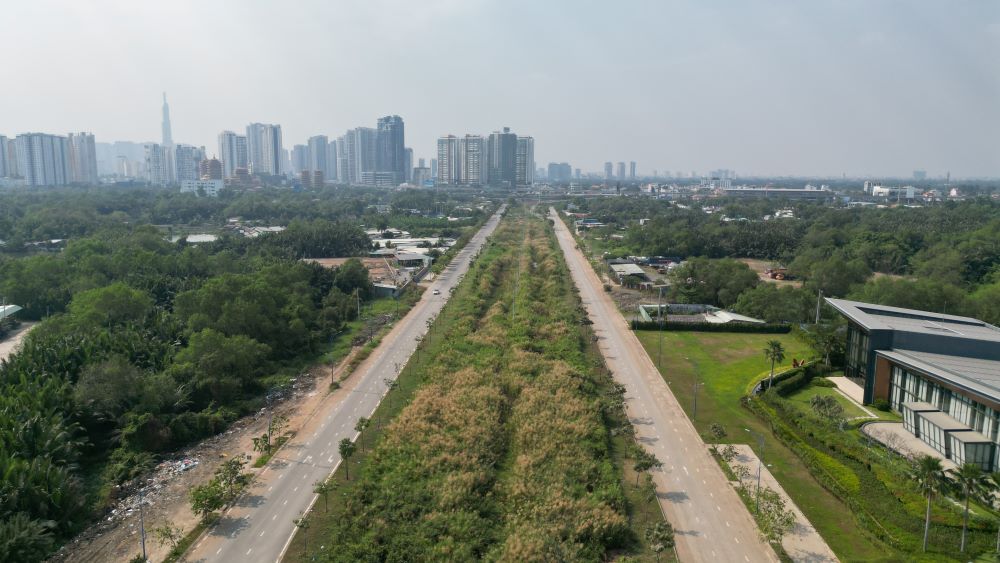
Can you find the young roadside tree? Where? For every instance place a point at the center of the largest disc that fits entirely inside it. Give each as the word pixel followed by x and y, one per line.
pixel 718 431
pixel 168 534
pixel 773 518
pixel 347 448
pixel 931 480
pixel 207 498
pixel 644 461
pixel 303 524
pixel 359 427
pixel 774 352
pixel 660 537
pixel 970 480
pixel 324 488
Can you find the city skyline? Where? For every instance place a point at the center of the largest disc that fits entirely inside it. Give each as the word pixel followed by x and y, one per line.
pixel 863 88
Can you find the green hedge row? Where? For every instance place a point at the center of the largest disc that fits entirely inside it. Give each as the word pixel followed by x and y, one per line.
pixel 714 327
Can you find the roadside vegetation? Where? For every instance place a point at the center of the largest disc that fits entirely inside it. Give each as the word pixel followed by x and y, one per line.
pixel 146 345
pixel 507 438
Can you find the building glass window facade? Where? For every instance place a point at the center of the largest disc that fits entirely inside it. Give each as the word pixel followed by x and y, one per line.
pixel 856 364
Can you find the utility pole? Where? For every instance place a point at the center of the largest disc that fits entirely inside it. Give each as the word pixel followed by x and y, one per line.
pixel 760 462
pixel 819 301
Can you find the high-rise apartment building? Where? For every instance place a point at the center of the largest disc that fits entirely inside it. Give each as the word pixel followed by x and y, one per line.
pixel 559 172
pixel 157 165
pixel 390 151
pixel 4 167
pixel 264 150
pixel 318 155
pixel 408 164
pixel 333 170
pixel 360 149
pixel 300 159
pixel 621 171
pixel 472 160
pixel 187 160
pixel 82 158
pixel 445 169
pixel 232 152
pixel 43 160
pixel 631 170
pixel 502 158
pixel 608 170
pixel 525 161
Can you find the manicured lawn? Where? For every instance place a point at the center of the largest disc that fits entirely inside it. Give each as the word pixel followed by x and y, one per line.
pixel 803 396
pixel 725 364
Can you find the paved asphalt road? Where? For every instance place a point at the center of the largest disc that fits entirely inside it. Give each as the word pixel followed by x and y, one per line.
pixel 259 527
pixel 710 521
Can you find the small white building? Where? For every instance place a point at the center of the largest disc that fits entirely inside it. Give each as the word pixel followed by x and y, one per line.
pixel 210 188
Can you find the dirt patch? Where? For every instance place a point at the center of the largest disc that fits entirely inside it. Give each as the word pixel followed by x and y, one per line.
pixel 758 266
pixel 12 342
pixel 115 537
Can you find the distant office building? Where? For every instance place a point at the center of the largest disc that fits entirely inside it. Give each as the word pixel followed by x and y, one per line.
pixel 723 174
pixel 188 159
pixel 4 167
pixel 421 163
pixel 919 175
pixel 359 154
pixel 390 151
pixel 408 162
pixel 445 168
pixel 232 152
pixel 608 170
pixel 472 160
pixel 210 188
pixel 168 138
pixel 541 174
pixel 631 170
pixel 43 160
pixel 332 170
pixel 421 175
pixel 559 172
pixel 524 161
pixel 264 150
pixel 502 158
pixel 210 169
pixel 379 179
pixel 312 178
pixel 157 165
pixel 621 171
pixel 300 159
pixel 576 173
pixel 82 158
pixel 318 155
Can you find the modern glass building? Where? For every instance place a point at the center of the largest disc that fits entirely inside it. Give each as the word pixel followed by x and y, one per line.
pixel 940 372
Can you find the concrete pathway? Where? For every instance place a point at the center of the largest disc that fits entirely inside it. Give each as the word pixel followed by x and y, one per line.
pixel 852 390
pixel 897 439
pixel 803 543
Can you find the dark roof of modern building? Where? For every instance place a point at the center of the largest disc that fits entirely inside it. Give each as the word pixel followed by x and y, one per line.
pixel 883 317
pixel 976 375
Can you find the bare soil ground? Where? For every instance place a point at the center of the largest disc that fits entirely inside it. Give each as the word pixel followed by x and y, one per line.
pixel 116 536
pixel 10 344
pixel 759 266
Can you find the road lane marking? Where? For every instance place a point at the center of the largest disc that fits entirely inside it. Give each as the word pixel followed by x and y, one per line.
pixel 219 551
pixel 284 503
pixel 684 467
pixel 261 533
pixel 249 550
pixel 295 489
pixel 269 488
pixel 274 517
pixel 737 539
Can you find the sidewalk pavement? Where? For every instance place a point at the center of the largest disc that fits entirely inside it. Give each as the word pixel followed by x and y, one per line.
pixel 803 543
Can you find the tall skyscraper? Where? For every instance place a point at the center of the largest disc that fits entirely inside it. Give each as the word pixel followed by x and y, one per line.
pixel 187 160
pixel 233 152
pixel 168 138
pixel 359 153
pixel 631 170
pixel 421 163
pixel 157 165
pixel 502 158
pixel 264 150
pixel 4 167
pixel 525 161
pixel 319 148
pixel 343 174
pixel 445 169
pixel 43 160
pixel 621 171
pixel 560 172
pixel 390 155
pixel 472 158
pixel 333 170
pixel 82 158
pixel 607 170
pixel 408 164
pixel 301 159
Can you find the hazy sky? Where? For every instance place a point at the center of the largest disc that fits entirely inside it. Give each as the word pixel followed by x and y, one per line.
pixel 796 87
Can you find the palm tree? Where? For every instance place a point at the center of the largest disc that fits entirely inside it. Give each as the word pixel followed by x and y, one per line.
pixel 931 479
pixel 776 353
pixel 970 479
pixel 993 486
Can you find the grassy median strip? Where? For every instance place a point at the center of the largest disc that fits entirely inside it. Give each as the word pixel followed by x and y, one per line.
pixel 500 441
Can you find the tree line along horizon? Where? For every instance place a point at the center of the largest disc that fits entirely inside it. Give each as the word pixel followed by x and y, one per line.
pixel 942 258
